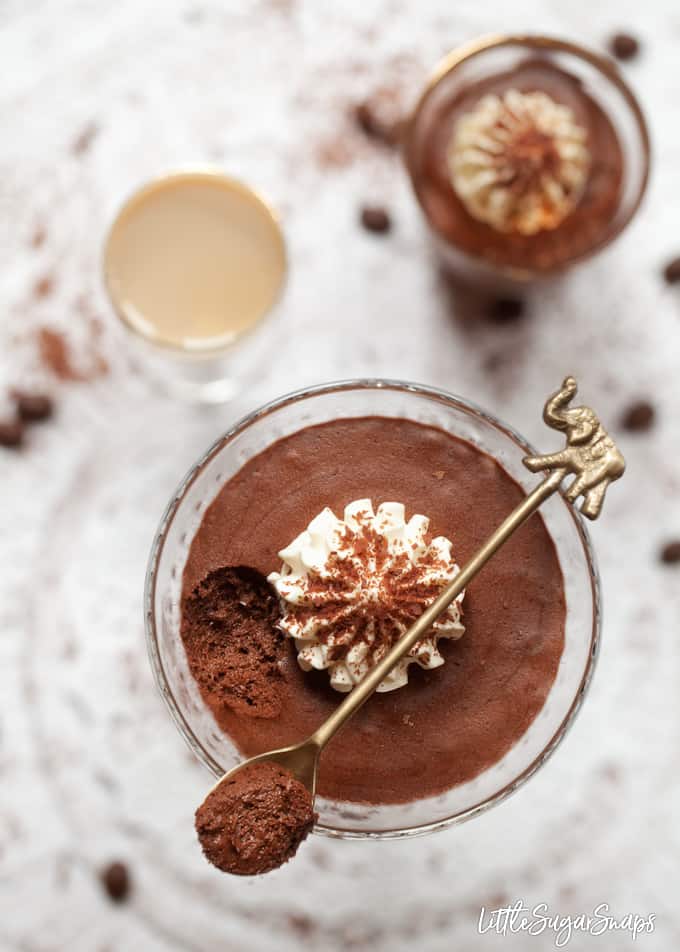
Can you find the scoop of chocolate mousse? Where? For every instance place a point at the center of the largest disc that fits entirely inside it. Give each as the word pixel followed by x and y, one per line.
pixel 254 821
pixel 232 643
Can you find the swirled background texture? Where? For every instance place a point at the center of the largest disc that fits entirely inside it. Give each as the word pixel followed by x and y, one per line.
pixel 95 97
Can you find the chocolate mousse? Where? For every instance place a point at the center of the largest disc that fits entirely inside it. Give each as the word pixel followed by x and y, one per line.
pixel 521 168
pixel 443 725
pixel 230 635
pixel 254 821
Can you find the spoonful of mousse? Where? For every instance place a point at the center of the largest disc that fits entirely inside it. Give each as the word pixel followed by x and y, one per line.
pixel 254 819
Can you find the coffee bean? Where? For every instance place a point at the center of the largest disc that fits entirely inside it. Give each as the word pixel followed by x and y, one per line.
pixel 670 553
pixel 11 434
pixel 367 119
pixel 624 46
pixel 33 407
pixel 671 272
pixel 639 417
pixel 506 310
pixel 115 879
pixel 375 218
pixel 376 126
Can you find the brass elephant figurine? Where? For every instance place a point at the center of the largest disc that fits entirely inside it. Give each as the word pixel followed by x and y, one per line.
pixel 590 453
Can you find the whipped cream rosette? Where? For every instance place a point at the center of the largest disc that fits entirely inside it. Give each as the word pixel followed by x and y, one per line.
pixel 350 587
pixel 519 162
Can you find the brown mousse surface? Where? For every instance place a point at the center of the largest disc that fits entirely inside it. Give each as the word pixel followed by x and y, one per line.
pixel 254 821
pixel 588 225
pixel 446 725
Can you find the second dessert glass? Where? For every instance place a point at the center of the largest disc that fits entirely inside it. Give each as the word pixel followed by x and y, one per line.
pixel 481 61
pixel 362 398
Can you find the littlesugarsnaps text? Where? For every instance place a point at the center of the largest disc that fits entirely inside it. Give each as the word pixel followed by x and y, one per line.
pixel 539 920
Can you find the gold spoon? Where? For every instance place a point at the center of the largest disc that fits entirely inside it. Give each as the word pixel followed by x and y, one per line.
pixel 594 460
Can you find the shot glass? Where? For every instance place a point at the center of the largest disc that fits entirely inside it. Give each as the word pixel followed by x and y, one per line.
pixel 194 264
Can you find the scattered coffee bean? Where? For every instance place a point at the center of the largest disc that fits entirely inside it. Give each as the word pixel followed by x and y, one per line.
pixel 367 119
pixel 506 310
pixel 624 46
pixel 670 553
pixel 115 879
pixel 671 272
pixel 33 407
pixel 11 434
pixel 376 126
pixel 639 417
pixel 375 218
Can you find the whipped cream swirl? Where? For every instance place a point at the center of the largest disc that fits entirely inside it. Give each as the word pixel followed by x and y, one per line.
pixel 519 162
pixel 349 588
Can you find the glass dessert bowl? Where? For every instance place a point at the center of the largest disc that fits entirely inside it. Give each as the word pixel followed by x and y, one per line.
pixel 527 155
pixel 512 683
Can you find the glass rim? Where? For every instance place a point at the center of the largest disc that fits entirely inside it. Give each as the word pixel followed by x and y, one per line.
pixel 208 173
pixel 604 64
pixel 358 384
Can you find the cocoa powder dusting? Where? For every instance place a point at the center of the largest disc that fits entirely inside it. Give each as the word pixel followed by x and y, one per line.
pixel 406 590
pixel 55 354
pixel 83 141
pixel 43 287
pixel 254 821
pixel 333 152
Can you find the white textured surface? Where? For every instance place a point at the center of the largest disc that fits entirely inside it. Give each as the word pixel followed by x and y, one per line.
pixel 90 765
